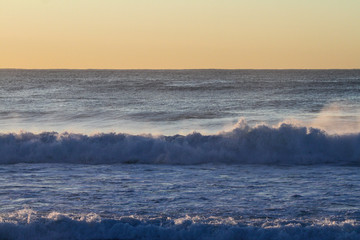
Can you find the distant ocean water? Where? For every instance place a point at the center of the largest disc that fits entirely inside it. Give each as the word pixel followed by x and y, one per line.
pixel 179 154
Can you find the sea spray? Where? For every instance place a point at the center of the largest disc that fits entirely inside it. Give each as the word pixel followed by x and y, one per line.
pixel 287 144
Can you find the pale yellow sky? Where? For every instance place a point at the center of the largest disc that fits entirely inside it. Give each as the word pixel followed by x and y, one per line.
pixel 174 34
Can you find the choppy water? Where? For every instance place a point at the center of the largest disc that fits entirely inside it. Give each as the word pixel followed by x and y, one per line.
pixel 97 154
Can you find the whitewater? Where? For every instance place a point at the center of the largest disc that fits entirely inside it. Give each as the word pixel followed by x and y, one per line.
pixel 179 154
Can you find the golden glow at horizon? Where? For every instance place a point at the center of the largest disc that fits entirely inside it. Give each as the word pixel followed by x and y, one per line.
pixel 174 34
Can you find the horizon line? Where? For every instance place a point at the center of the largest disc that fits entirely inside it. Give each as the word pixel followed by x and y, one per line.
pixel 176 69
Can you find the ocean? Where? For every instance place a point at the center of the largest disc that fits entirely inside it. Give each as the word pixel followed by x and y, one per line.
pixel 179 154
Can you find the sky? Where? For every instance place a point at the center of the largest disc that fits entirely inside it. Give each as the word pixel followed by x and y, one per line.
pixel 180 34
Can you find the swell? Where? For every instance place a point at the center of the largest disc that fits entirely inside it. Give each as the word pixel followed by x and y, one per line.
pixel 287 144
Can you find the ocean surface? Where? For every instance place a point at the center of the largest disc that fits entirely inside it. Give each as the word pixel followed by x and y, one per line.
pixel 179 154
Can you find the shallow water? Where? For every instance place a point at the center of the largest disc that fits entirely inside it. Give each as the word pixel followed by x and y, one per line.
pixel 245 193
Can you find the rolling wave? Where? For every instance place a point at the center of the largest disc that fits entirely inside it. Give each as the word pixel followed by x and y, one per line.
pixel 59 226
pixel 284 145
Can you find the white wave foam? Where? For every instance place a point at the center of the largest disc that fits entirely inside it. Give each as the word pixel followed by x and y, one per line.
pixel 65 226
pixel 286 144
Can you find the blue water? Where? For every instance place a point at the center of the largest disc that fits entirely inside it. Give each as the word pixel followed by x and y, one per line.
pixel 185 154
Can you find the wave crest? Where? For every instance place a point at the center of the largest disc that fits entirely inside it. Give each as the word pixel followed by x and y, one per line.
pixel 287 144
pixel 62 226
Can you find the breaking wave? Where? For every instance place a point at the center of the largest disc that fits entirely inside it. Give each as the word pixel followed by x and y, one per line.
pixel 62 226
pixel 286 144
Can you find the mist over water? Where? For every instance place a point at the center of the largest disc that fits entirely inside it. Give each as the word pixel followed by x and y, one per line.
pixel 179 154
pixel 177 101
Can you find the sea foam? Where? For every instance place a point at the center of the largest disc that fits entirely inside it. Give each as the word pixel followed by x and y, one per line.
pixel 286 144
pixel 58 226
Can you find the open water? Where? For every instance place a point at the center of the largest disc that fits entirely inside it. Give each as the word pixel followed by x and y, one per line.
pixel 179 154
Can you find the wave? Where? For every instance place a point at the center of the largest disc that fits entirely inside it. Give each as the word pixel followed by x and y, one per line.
pixel 60 226
pixel 286 144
